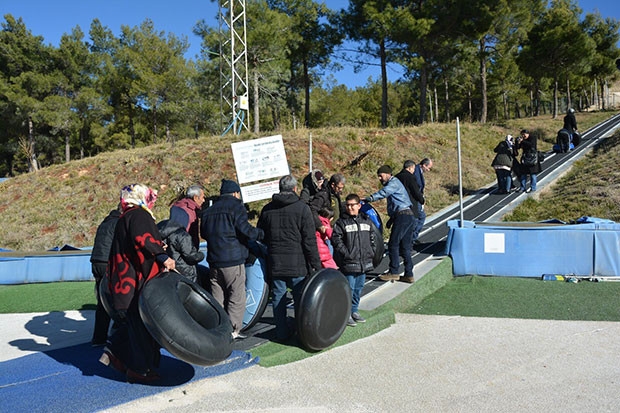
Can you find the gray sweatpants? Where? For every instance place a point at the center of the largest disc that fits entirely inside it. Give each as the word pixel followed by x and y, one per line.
pixel 228 288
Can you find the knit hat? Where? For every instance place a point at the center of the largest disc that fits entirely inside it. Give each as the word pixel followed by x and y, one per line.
pixel 525 131
pixel 385 169
pixel 229 187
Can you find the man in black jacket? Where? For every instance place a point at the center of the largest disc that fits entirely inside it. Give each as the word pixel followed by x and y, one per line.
pixel 293 253
pixel 227 231
pixel 409 182
pixel 99 263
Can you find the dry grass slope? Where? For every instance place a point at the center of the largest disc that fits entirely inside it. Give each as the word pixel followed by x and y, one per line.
pixel 63 204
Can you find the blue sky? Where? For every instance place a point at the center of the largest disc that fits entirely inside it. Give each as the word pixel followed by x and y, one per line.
pixel 52 18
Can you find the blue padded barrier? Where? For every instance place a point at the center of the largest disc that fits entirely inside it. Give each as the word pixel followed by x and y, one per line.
pixel 532 250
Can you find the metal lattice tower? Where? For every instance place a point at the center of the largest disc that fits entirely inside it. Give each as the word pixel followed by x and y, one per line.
pixel 233 65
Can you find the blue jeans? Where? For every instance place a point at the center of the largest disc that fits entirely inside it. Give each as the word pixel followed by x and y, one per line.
pixel 296 284
pixel 419 222
pixel 356 281
pixel 523 179
pixel 400 240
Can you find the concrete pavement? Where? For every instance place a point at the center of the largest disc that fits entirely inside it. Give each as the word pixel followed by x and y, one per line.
pixel 428 364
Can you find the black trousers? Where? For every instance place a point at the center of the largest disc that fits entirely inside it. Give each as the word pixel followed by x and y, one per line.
pixel 133 344
pixel 102 319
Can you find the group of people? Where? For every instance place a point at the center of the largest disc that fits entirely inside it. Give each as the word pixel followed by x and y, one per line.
pixel 507 162
pixel 521 157
pixel 568 134
pixel 131 248
pixel 352 243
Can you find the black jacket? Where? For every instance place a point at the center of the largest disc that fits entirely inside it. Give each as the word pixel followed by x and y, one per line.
pixel 289 236
pixel 325 198
pixel 181 248
pixel 227 231
pixel 309 188
pixel 529 145
pixel 355 241
pixel 103 238
pixel 570 122
pixel 411 185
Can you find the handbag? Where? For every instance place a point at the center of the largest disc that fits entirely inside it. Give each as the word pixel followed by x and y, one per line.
pixel 529 158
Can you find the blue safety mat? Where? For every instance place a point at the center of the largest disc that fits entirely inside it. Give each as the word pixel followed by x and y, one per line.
pixel 586 249
pixel 71 379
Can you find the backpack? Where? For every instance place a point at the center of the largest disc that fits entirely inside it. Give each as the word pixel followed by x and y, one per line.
pixel 529 158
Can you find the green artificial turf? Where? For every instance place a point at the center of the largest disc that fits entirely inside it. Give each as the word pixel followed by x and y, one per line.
pixel 513 297
pixel 45 297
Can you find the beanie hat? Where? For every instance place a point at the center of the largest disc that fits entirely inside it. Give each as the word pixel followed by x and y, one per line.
pixel 525 131
pixel 318 175
pixel 385 169
pixel 228 187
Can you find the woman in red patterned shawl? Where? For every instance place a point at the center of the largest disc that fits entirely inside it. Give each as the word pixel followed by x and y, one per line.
pixel 136 256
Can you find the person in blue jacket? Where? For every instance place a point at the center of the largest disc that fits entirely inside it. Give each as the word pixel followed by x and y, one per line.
pixel 402 220
pixel 227 231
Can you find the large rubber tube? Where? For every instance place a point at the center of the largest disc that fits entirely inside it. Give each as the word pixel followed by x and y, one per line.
pixel 378 228
pixel 256 293
pixel 185 319
pixel 324 309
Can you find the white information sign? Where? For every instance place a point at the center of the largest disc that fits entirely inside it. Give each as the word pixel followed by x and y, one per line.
pixel 260 191
pixel 260 159
pixel 494 243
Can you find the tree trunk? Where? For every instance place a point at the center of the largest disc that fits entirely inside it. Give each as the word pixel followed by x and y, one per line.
pixel 32 157
pixel 154 124
pixel 446 99
pixel 569 102
pixel 555 99
pixel 384 87
pixel 67 149
pixel 307 91
pixel 423 83
pixel 483 83
pixel 436 104
pixel 132 130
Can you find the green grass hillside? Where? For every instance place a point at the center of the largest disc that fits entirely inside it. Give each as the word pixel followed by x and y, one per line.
pixel 63 204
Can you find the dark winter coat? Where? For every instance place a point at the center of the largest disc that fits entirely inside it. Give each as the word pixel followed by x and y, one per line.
pixel 528 145
pixel 325 198
pixel 186 212
pixel 181 248
pixel 309 188
pixel 289 236
pixel 411 185
pixel 355 242
pixel 570 122
pixel 103 238
pixel 133 260
pixel 226 228
pixel 504 155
